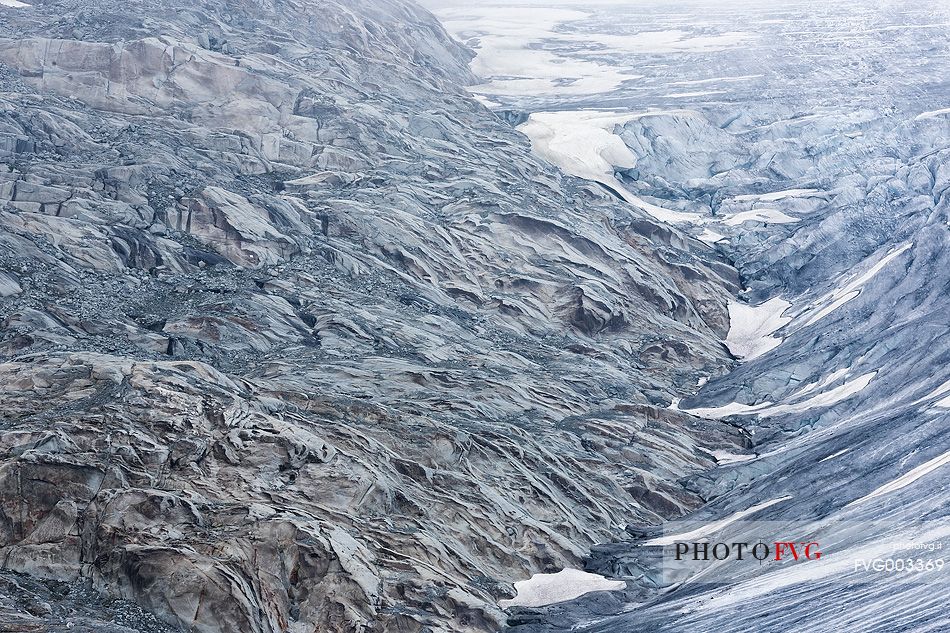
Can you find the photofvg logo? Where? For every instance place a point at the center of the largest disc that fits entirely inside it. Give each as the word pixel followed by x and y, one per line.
pixel 727 552
pixel 760 551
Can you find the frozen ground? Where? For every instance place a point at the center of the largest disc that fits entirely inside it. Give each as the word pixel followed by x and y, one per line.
pixel 808 142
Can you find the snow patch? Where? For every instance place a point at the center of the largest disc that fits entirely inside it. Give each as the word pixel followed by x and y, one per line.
pixel 821 384
pixel 710 237
pixel 826 398
pixel 751 327
pixel 775 196
pixel 660 213
pixel 544 589
pixel 485 101
pixel 733 408
pixel 767 409
pixel 837 298
pixel 906 479
pixel 582 144
pixel 833 455
pixel 768 216
pixel 715 526
pixel 939 392
pixel 932 114
pixel 724 457
pixel 13 4
pixel 838 301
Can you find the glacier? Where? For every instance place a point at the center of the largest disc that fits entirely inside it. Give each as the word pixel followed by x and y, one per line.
pixel 348 315
pixel 809 146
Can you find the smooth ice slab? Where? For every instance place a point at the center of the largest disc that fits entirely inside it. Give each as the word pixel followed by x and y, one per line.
pixel 582 143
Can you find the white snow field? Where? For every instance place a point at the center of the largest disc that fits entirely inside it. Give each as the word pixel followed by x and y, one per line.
pixel 509 64
pixel 544 589
pixel 906 479
pixel 842 295
pixel 582 143
pixel 522 51
pixel 715 526
pixel 751 327
pixel 827 398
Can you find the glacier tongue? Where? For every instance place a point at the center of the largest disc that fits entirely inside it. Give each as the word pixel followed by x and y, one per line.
pixel 821 175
